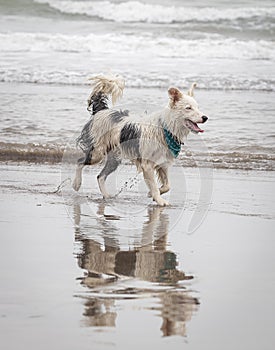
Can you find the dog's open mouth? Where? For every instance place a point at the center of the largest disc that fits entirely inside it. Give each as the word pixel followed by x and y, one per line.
pixel 193 126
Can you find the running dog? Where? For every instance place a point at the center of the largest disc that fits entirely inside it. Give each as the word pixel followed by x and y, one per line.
pixel 151 142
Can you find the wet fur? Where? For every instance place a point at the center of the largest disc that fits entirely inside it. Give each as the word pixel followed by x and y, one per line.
pixel 115 135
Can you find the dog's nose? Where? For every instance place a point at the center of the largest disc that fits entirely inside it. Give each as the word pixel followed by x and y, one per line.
pixel 204 118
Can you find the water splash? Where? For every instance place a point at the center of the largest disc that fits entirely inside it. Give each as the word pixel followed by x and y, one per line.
pixel 129 184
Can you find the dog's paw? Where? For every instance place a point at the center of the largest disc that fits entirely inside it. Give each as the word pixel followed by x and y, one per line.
pixel 107 196
pixel 76 185
pixel 162 202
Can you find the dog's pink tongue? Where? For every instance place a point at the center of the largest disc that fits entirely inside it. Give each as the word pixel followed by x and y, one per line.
pixel 193 126
pixel 196 128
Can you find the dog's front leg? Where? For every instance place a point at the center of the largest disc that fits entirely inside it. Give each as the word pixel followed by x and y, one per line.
pixel 163 177
pixel 149 177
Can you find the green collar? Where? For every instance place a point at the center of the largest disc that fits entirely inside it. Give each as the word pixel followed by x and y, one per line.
pixel 172 142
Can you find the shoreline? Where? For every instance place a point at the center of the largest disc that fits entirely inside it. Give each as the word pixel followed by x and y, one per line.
pixel 42 134
pixel 33 154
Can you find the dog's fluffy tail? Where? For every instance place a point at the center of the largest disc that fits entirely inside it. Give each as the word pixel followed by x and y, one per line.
pixel 103 87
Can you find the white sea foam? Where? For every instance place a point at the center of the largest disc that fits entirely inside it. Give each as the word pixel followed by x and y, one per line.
pixel 135 11
pixel 29 74
pixel 147 43
pixel 83 48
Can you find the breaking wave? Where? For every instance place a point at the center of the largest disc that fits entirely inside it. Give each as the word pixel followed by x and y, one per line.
pixel 214 46
pixel 142 80
pixel 135 11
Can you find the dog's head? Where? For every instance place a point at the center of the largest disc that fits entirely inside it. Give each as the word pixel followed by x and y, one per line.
pixel 186 109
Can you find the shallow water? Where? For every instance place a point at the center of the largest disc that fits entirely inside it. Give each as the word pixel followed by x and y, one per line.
pixel 39 122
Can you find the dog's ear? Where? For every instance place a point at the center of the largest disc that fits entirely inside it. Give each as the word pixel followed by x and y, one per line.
pixel 174 95
pixel 191 90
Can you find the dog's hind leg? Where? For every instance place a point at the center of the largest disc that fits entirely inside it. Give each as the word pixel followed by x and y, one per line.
pixel 162 173
pixel 89 159
pixel 112 162
pixel 149 177
pixel 78 174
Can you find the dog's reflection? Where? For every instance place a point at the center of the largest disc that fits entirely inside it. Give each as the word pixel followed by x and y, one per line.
pixel 150 262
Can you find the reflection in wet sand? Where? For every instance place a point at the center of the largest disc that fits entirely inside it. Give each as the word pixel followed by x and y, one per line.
pixel 107 264
pixel 100 312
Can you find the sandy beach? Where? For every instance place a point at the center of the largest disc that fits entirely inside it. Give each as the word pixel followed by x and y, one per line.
pixel 71 278
pixel 78 272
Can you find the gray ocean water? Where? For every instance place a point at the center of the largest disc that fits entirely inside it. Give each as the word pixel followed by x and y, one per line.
pixel 48 49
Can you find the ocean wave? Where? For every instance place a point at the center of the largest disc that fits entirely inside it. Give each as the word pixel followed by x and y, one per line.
pixel 247 160
pixel 70 77
pixel 214 46
pixel 30 152
pixel 52 153
pixel 135 11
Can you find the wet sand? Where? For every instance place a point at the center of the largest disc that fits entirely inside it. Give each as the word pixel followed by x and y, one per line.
pixel 78 272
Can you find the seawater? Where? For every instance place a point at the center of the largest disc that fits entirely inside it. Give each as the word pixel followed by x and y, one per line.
pixel 49 48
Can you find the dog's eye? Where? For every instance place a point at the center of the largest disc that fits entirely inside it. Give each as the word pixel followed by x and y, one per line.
pixel 188 107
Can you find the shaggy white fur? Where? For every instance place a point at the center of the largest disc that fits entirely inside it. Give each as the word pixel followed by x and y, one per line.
pixel 151 142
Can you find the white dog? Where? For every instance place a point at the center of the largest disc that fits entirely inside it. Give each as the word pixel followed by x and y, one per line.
pixel 151 142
